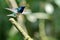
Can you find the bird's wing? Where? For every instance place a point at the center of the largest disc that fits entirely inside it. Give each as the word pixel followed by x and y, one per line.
pixel 13 10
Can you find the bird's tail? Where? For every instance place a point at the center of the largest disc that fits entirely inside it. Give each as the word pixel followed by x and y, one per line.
pixel 12 10
pixel 12 15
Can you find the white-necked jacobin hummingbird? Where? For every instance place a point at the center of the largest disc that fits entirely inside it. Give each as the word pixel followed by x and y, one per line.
pixel 15 10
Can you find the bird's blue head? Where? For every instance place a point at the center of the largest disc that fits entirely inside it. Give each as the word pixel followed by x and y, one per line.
pixel 20 9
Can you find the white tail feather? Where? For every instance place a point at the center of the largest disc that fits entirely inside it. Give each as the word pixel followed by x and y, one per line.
pixel 12 15
pixel 13 10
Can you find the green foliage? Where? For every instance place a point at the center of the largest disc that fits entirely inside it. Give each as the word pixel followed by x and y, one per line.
pixel 35 6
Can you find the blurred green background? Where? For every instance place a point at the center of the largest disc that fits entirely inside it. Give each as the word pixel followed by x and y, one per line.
pixel 52 26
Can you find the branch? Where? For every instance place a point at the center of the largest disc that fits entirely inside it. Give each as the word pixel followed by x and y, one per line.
pixel 42 29
pixel 20 29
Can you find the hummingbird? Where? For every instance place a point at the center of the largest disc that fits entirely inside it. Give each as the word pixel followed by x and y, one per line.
pixel 15 11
